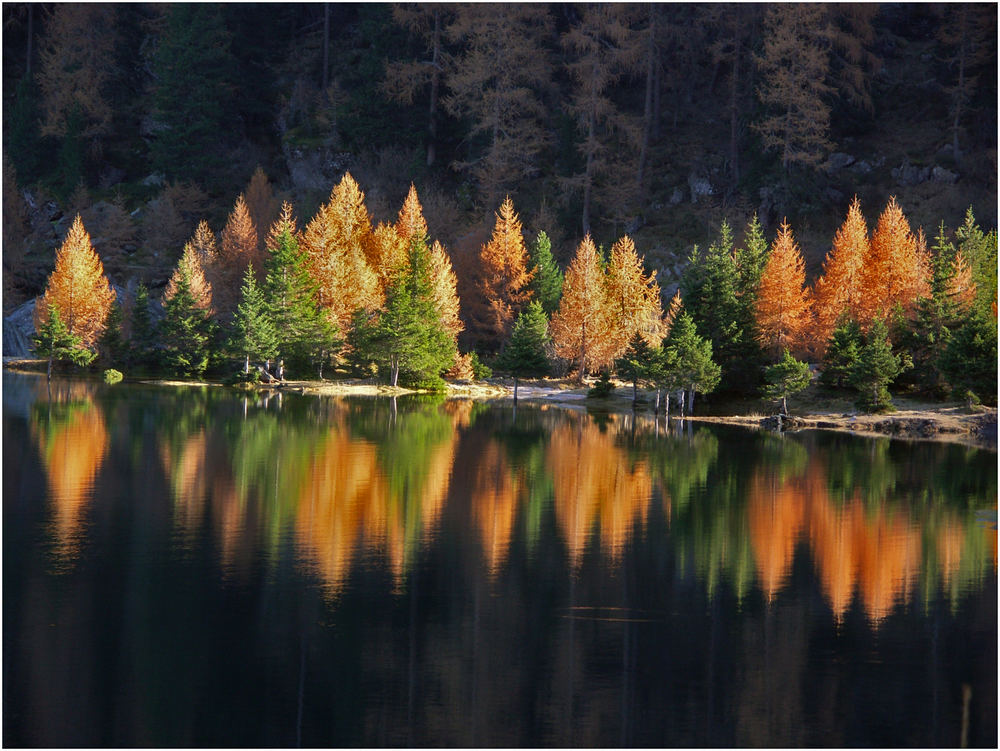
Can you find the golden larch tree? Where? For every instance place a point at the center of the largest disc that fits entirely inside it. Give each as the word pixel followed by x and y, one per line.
pixel 898 271
pixel 262 205
pixel 386 253
pixel 783 304
pixel 411 224
pixel 335 242
pixel 580 327
pixel 961 289
pixel 77 288
pixel 503 272
pixel 840 287
pixel 674 308
pixel 284 222
pixel 444 290
pixel 199 286
pixel 633 298
pixel 229 263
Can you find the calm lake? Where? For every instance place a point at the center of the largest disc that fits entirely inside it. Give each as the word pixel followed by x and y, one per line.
pixel 190 567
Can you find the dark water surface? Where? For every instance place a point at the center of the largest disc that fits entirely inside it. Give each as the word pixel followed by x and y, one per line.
pixel 186 567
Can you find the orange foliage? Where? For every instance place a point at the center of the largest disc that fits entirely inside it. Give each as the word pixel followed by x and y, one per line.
pixel 634 298
pixel 230 261
pixel 840 287
pixel 580 327
pixel 961 289
pixel 783 305
pixel 775 516
pixel 284 222
pixel 201 290
pixel 674 308
pixel 444 290
pixel 494 498
pixel 503 272
pixel 77 287
pixel 386 253
pixel 262 205
pixel 899 267
pixel 411 224
pixel 335 241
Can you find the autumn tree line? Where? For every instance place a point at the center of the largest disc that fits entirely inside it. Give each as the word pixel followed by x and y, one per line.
pixel 381 300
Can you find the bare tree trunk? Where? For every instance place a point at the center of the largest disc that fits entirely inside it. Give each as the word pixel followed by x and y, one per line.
pixel 656 409
pixel 515 391
pixel 246 365
pixel 583 354
pixel 691 401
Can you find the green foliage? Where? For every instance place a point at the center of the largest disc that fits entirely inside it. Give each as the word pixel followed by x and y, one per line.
pixel 546 284
pixel 143 338
pixel 55 342
pixel 750 261
pixel 186 330
pixel 786 377
pixel 969 360
pixel 722 310
pixel 602 388
pixel 688 357
pixel 525 355
pixel 637 362
pixel 407 340
pixel 842 354
pixel 112 376
pixel 980 250
pixel 22 144
pixel 192 96
pixel 111 344
pixel 876 368
pixel 480 370
pixel 70 157
pixel 254 335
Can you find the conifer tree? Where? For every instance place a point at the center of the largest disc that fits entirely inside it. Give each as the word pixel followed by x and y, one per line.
pixel 186 330
pixel 143 335
pixel 386 254
pixel 782 303
pixel 750 261
pixel 786 377
pixel 335 242
pixel 190 264
pixel 690 357
pixel 254 334
pixel 444 291
pixel 302 329
pixel 410 224
pixel 841 354
pixel 77 288
pixel 503 274
pixel 840 288
pixel 524 356
pixel 111 345
pixel 877 367
pixel 633 298
pixel 57 343
pixel 262 206
pixel 636 363
pixel 898 271
pixel 980 250
pixel 546 278
pixel 969 361
pixel 580 327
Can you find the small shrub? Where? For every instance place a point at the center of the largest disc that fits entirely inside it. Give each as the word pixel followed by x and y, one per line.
pixel 602 388
pixel 480 370
pixel 112 376
pixel 241 378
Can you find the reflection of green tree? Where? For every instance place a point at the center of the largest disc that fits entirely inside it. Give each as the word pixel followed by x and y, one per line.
pixel 525 445
pixel 860 466
pixel 50 419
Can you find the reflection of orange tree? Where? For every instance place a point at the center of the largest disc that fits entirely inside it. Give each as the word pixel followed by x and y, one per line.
pixel 595 482
pixel 878 552
pixel 73 441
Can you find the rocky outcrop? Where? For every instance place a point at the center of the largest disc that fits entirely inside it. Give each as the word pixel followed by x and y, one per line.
pixel 18 328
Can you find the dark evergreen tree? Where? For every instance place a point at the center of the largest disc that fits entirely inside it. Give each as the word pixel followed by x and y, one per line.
pixel 186 330
pixel 980 250
pixel 143 335
pixel 22 144
pixel 690 355
pixel 969 361
pixel 524 356
pixel 111 344
pixel 751 259
pixel 407 341
pixel 842 354
pixel 877 367
pixel 254 334
pixel 546 284
pixel 786 377
pixel 193 93
pixel 636 363
pixel 55 342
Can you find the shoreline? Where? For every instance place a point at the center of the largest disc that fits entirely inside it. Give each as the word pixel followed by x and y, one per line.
pixel 948 422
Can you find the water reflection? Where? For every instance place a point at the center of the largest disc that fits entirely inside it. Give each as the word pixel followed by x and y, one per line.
pixel 432 572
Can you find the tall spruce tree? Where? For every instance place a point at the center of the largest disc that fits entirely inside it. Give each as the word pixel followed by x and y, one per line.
pixel 524 355
pixel 57 343
pixel 691 358
pixel 636 363
pixel 143 334
pixel 254 332
pixel 547 280
pixel 786 377
pixel 186 331
pixel 877 367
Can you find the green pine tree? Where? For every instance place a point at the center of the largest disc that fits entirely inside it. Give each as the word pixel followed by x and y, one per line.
pixel 786 377
pixel 407 340
pixel 636 363
pixel 546 284
pixel 254 333
pixel 751 260
pixel 524 356
pixel 842 354
pixel 969 361
pixel 111 344
pixel 22 143
pixel 690 357
pixel 55 342
pixel 186 330
pixel 877 367
pixel 143 337
pixel 980 250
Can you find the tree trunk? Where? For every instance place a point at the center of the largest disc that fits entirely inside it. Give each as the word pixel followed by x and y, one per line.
pixel 246 365
pixel 656 409
pixel 48 373
pixel 515 390
pixel 435 83
pixel 395 371
pixel 784 406
pixel 680 403
pixel 666 409
pixel 635 393
pixel 691 401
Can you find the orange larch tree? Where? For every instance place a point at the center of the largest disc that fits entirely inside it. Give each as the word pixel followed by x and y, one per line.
pixel 387 254
pixel 444 292
pixel 335 242
pixel 783 304
pixel 674 308
pixel 634 298
pixel 229 263
pixel 580 327
pixel 77 288
pixel 262 205
pixel 899 268
pixel 840 286
pixel 190 264
pixel 411 224
pixel 961 289
pixel 503 272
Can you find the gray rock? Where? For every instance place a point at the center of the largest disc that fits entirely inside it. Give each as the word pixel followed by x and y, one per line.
pixel 633 225
pixel 154 180
pixel 942 175
pixel 839 161
pixel 700 186
pixel 862 167
pixel 911 174
pixel 676 197
pixel 18 328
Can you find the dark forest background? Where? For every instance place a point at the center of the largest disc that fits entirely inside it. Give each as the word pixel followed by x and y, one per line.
pixel 656 120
